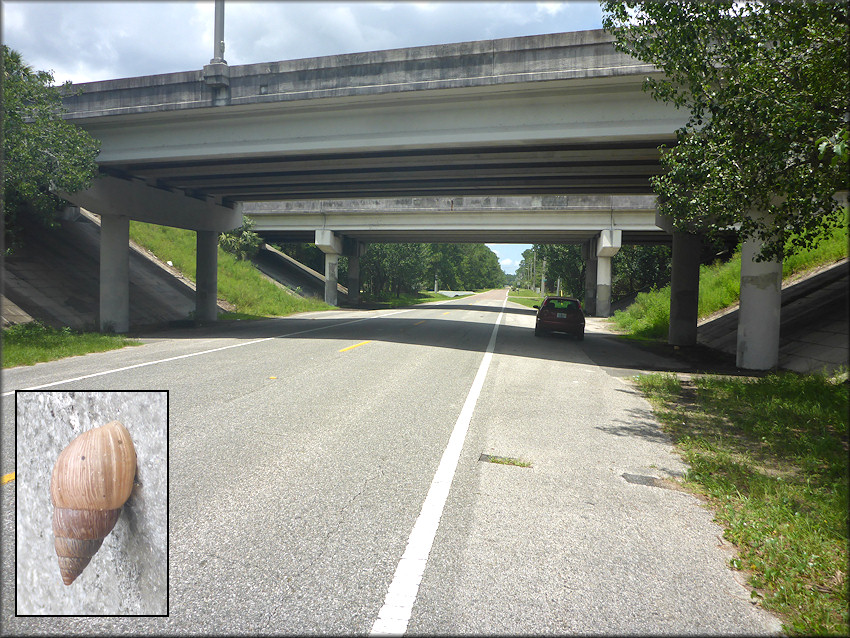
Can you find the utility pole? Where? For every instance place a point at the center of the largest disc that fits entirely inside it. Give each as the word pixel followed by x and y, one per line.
pixel 534 272
pixel 543 278
pixel 217 73
pixel 218 38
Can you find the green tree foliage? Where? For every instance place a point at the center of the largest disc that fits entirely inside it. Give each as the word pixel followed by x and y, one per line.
pixel 480 268
pixel 633 269
pixel 766 87
pixel 639 269
pixel 42 152
pixel 241 242
pixel 399 268
pixel 395 268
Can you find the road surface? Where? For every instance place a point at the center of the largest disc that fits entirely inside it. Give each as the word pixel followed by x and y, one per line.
pixel 326 476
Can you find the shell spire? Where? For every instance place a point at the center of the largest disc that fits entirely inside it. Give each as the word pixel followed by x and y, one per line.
pixel 91 481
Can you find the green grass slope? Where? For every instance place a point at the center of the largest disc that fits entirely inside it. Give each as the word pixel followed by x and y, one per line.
pixel 238 281
pixel 720 287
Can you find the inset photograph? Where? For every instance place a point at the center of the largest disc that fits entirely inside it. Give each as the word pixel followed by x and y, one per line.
pixel 91 503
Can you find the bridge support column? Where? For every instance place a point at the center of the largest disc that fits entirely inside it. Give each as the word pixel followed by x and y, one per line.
pixel 114 273
pixel 332 246
pixel 684 289
pixel 354 279
pixel 758 317
pixel 206 276
pixel 331 280
pixel 603 287
pixel 607 245
pixel 588 254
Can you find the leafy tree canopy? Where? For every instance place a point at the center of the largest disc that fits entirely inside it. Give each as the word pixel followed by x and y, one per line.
pixel 766 87
pixel 42 152
pixel 241 242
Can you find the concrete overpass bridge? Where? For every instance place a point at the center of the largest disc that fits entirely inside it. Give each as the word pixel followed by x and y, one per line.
pixel 559 219
pixel 557 114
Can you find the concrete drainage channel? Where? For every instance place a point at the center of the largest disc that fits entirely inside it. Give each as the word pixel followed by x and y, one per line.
pixel 504 460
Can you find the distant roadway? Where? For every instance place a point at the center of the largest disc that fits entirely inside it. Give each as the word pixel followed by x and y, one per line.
pixel 326 476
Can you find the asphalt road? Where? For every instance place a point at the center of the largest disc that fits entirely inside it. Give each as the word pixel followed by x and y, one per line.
pixel 299 466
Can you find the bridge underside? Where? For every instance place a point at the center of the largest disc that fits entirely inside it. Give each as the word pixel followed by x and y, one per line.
pixel 467 237
pixel 622 167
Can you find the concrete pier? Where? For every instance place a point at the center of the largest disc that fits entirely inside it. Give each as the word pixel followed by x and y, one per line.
pixel 114 273
pixel 758 319
pixel 607 245
pixel 684 289
pixel 206 276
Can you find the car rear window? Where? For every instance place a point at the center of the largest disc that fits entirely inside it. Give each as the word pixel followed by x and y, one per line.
pixel 562 304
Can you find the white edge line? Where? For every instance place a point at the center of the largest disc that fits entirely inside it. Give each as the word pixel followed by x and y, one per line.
pixel 394 616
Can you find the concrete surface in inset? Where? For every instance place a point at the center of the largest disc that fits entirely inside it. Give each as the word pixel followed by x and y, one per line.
pixel 128 575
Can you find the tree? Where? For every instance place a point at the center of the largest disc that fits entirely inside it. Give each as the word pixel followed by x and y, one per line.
pixel 43 153
pixel 766 87
pixel 397 268
pixel 242 242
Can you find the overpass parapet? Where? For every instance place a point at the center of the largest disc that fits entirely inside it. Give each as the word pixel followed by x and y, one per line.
pixel 557 56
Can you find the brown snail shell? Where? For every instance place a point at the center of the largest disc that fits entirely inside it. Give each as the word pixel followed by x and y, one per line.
pixel 91 481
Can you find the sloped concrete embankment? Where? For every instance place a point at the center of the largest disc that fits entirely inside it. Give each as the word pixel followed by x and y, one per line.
pixel 55 278
pixel 813 334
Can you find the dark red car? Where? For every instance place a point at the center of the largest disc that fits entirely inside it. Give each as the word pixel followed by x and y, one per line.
pixel 560 314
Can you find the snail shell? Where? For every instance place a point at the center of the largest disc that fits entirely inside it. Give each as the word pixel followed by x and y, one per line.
pixel 91 481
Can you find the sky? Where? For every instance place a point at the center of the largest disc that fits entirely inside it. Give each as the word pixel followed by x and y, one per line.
pixel 87 41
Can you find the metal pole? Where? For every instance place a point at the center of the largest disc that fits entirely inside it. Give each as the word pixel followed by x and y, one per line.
pixel 543 278
pixel 218 39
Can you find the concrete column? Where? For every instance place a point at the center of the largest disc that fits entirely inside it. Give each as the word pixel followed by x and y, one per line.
pixel 607 245
pixel 588 254
pixel 758 317
pixel 354 279
pixel 331 264
pixel 684 289
pixel 603 287
pixel 206 276
pixel 114 273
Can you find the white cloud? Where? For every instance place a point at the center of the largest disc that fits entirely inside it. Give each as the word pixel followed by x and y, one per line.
pixel 84 41
pixel 507 262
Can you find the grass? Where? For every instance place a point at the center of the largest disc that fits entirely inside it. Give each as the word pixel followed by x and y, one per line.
pixel 239 282
pixel 720 287
pixel 504 460
pixel 525 297
pixel 771 456
pixel 30 343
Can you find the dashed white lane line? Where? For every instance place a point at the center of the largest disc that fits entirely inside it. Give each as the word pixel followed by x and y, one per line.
pixel 398 605
pixel 202 352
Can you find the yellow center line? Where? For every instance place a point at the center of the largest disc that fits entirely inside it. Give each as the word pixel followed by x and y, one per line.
pixel 356 345
pixel 418 322
pixel 8 477
pixel 447 312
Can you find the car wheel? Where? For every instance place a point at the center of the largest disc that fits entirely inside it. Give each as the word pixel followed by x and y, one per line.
pixel 580 336
pixel 538 332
